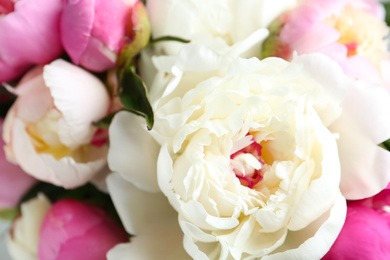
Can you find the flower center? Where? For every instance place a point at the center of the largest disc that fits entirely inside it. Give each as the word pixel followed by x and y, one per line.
pixel 6 6
pixel 362 33
pixel 247 163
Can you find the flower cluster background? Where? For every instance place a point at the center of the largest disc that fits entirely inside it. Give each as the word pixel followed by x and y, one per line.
pixel 183 129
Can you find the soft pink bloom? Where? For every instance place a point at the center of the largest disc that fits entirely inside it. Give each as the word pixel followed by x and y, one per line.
pixel 48 131
pixel 76 230
pixel 14 182
pixel 351 32
pixel 29 35
pixel 366 232
pixel 94 32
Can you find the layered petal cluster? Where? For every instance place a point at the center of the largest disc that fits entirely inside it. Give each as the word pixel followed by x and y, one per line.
pixel 226 22
pixel 29 35
pixel 246 157
pixel 353 33
pixel 49 132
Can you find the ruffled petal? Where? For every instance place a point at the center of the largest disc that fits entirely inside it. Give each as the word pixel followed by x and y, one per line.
pixel 150 218
pixel 80 97
pixel 133 151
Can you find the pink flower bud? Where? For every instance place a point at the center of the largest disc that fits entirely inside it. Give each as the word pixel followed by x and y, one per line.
pixel 94 32
pixel 29 35
pixel 366 232
pixel 76 230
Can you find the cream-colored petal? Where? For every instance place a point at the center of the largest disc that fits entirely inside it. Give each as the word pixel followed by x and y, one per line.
pixel 150 218
pixel 80 97
pixel 133 151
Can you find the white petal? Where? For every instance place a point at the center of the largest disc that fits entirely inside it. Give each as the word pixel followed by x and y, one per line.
pixel 150 218
pixel 79 96
pixel 314 241
pixel 133 151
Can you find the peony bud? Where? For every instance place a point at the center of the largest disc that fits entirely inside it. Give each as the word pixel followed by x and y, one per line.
pixel 76 230
pixel 29 35
pixel 95 32
pixel 366 232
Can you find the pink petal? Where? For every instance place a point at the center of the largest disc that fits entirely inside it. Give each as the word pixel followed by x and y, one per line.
pixel 76 26
pixel 76 230
pixel 29 36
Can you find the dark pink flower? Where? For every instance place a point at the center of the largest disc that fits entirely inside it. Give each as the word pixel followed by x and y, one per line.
pixel 76 230
pixel 366 232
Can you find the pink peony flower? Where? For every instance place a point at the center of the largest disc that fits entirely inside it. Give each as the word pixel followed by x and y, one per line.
pixel 366 232
pixel 351 32
pixel 14 182
pixel 29 35
pixel 48 131
pixel 76 230
pixel 95 32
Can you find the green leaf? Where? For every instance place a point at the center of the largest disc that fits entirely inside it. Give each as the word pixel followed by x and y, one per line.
pixel 134 95
pixel 168 38
pixel 387 9
pixel 8 214
pixel 386 145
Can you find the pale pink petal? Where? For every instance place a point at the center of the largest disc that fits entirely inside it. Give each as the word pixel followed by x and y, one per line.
pixel 80 97
pixel 133 151
pixel 360 67
pixel 65 172
pixel 76 26
pixel 14 182
pixel 97 56
pixel 150 218
pixel 362 126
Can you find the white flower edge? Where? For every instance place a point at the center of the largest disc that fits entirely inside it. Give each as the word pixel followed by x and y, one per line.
pixel 79 96
pixel 150 218
pixel 23 242
pixel 133 151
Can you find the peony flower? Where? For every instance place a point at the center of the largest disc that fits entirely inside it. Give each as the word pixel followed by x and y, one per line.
pixel 95 32
pixel 23 239
pixel 246 158
pixel 48 131
pixel 29 35
pixel 75 230
pixel 366 232
pixel 353 33
pixel 14 182
pixel 206 21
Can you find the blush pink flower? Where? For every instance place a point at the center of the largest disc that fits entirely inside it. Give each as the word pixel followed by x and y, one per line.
pixel 48 131
pixel 29 35
pixel 76 230
pixel 366 232
pixel 351 32
pixel 95 32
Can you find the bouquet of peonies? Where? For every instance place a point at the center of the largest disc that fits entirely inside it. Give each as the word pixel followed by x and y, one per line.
pixel 208 129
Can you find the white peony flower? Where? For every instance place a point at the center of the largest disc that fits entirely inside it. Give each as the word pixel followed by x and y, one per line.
pixel 246 157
